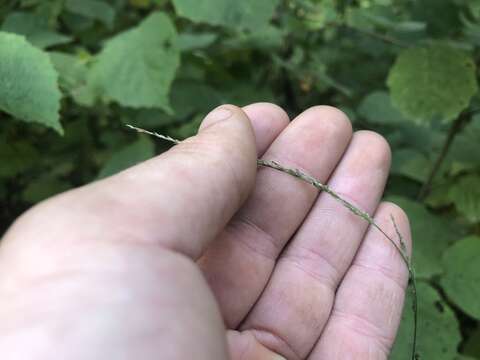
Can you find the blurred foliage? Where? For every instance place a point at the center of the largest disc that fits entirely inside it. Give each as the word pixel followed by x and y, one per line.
pixel 404 68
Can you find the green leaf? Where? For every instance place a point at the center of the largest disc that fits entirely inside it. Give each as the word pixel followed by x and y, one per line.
pixel 245 14
pixel 438 333
pixel 34 28
pixel 434 81
pixel 461 279
pixel 465 194
pixel 92 9
pixel 464 153
pixel 29 89
pixel 377 108
pixel 73 75
pixel 141 150
pixel 410 163
pixel 193 41
pixel 137 67
pixel 431 234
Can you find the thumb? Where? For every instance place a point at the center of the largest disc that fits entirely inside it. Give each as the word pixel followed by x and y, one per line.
pixel 179 200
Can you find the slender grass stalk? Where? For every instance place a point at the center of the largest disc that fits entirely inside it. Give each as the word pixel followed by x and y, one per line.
pixel 400 247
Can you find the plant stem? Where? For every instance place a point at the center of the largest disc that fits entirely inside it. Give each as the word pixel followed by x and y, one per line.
pixel 378 36
pixel 401 248
pixel 455 128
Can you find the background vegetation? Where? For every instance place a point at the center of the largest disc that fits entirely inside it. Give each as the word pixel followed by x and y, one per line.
pixel 73 72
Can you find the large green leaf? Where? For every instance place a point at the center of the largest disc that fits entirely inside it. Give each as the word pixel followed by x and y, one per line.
pixel 465 194
pixel 141 150
pixel 438 333
pixel 137 67
pixel 431 236
pixel 461 278
pixel 29 89
pixel 434 81
pixel 249 14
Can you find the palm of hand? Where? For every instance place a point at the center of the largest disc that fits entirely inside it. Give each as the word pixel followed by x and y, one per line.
pixel 292 272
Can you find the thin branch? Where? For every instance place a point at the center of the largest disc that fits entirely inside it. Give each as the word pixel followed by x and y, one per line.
pixel 401 248
pixel 382 37
pixel 455 128
pixel 325 188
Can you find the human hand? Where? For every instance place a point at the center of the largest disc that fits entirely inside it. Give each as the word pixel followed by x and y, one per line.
pixel 116 269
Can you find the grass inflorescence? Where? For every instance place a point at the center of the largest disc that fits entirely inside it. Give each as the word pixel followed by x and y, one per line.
pixel 299 174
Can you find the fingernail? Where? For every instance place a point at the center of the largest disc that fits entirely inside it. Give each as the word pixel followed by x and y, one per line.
pixel 277 357
pixel 215 116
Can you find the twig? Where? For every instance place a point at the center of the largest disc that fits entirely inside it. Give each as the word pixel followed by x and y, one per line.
pixel 382 37
pixel 455 128
pixel 322 187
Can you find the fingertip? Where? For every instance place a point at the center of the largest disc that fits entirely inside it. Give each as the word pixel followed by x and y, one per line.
pixel 271 111
pixel 230 122
pixel 226 140
pixel 222 113
pixel 268 121
pixel 377 146
pixel 338 120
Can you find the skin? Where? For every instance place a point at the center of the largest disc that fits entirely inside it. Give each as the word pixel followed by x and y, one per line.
pixel 196 253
